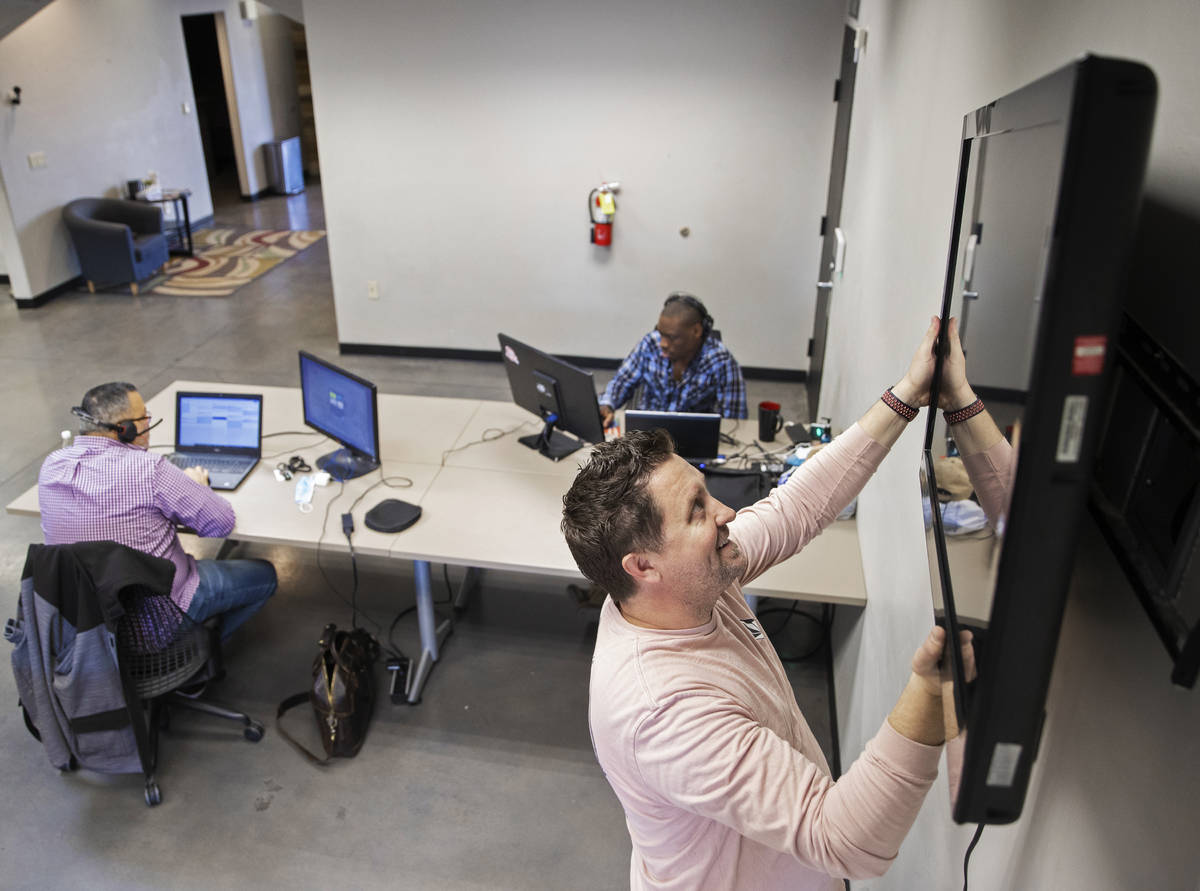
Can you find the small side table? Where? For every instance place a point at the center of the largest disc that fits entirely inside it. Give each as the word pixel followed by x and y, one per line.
pixel 178 199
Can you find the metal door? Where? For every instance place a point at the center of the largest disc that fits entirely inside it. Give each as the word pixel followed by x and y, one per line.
pixel 826 281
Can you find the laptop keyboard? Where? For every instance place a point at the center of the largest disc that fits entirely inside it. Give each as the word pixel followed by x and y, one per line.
pixel 219 463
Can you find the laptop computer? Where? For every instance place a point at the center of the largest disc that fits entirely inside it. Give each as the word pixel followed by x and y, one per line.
pixel 221 432
pixel 697 435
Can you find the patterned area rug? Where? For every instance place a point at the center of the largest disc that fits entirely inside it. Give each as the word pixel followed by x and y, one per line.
pixel 226 259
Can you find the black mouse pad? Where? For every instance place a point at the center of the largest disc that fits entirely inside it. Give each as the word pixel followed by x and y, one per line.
pixel 392 515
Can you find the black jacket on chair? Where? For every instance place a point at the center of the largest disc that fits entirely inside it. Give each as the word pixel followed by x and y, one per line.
pixel 65 656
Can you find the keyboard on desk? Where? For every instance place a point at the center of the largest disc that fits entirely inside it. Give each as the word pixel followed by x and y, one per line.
pixel 224 471
pixel 222 463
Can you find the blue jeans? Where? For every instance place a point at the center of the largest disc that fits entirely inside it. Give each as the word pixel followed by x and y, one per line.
pixel 233 589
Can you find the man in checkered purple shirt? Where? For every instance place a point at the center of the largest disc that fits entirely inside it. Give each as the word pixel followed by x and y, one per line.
pixel 107 486
pixel 681 367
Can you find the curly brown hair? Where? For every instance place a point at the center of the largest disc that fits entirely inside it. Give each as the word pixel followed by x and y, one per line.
pixel 609 511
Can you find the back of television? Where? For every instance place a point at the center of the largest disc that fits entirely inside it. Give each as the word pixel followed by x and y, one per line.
pixel 1145 488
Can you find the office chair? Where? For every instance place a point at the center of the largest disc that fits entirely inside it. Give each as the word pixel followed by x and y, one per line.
pixel 101 652
pixel 161 649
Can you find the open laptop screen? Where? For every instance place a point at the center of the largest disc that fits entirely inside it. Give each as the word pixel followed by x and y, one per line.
pixel 697 435
pixel 219 422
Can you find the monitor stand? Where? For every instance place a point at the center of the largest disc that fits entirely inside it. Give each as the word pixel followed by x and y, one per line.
pixel 551 443
pixel 345 464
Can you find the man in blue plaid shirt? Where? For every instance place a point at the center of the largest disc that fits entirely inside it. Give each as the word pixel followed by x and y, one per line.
pixel 680 366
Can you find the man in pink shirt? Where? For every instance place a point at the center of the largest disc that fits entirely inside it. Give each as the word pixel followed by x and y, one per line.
pixel 107 486
pixel 692 716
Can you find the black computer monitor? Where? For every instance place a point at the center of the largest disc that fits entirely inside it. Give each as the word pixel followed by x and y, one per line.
pixel 697 435
pixel 344 407
pixel 563 396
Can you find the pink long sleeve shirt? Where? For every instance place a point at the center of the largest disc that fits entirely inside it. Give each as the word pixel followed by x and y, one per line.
pixel 723 784
pixel 991 473
pixel 98 489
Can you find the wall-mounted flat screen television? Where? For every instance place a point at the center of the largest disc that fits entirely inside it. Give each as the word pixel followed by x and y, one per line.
pixel 1049 185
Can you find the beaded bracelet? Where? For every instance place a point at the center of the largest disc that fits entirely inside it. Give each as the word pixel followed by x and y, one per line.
pixel 963 414
pixel 898 405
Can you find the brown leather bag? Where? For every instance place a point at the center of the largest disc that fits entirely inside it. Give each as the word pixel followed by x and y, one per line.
pixel 342 693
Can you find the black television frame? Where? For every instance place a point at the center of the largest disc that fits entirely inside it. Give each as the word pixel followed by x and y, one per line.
pixel 1108 108
pixel 561 394
pixel 350 461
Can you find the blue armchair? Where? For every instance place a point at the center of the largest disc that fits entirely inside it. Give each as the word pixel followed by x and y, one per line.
pixel 117 241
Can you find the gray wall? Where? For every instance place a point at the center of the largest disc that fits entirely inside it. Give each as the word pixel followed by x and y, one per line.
pixel 14 12
pixel 115 113
pixel 5 219
pixel 459 142
pixel 1115 797
pixel 264 77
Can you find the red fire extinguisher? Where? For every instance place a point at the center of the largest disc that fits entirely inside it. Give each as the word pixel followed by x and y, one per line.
pixel 601 210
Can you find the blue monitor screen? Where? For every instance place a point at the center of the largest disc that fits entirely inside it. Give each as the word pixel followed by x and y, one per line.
pixel 339 404
pixel 219 421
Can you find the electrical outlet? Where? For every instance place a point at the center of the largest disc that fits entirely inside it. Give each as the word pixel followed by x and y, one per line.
pixel 37 160
pixel 372 289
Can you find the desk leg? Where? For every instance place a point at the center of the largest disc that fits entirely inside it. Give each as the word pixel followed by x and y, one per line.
pixel 752 602
pixel 470 580
pixel 431 633
pixel 226 549
pixel 187 226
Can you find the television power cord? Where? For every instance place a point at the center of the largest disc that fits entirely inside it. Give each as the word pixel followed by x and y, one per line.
pixel 970 848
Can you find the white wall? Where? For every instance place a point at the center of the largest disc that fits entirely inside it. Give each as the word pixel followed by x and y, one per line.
pixel 264 77
pixel 1115 797
pixel 459 141
pixel 105 110
pixel 109 115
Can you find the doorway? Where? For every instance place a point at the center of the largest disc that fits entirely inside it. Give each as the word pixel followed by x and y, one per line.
pixel 308 121
pixel 208 63
pixel 831 233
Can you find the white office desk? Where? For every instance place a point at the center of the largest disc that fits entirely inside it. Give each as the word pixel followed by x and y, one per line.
pixel 494 504
pixel 422 427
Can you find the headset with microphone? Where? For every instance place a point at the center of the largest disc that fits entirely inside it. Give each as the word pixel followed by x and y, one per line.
pixel 694 302
pixel 126 430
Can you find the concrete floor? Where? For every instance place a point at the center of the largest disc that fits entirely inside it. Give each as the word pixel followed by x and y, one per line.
pixel 489 783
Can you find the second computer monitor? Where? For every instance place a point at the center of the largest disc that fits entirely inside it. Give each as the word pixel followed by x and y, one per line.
pixel 563 396
pixel 343 406
pixel 697 435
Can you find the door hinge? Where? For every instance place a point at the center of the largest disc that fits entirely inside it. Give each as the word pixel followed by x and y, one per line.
pixel 824 222
pixel 810 348
pixel 837 90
